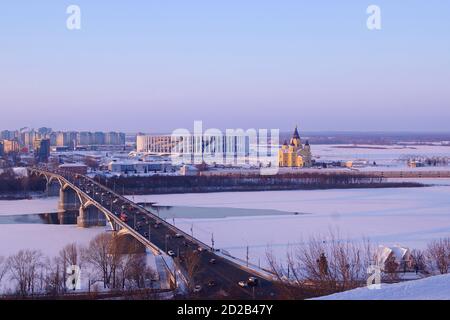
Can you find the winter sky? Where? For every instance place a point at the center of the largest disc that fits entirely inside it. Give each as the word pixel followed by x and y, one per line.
pixel 159 65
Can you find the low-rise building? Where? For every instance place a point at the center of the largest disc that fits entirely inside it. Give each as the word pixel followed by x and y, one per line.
pixel 395 258
pixel 138 167
pixel 74 167
pixel 189 170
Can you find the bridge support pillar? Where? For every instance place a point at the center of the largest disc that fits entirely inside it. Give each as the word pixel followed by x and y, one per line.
pixel 90 217
pixel 53 189
pixel 68 200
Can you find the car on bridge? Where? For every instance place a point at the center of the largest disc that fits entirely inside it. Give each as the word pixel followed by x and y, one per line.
pixel 123 217
pixel 252 281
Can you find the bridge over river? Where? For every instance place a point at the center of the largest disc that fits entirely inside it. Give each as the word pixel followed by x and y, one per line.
pixel 216 273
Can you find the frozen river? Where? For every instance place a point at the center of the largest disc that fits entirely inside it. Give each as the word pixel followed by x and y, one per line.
pixel 407 216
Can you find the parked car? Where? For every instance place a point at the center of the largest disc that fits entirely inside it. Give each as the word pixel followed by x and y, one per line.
pixel 212 261
pixel 242 284
pixel 178 235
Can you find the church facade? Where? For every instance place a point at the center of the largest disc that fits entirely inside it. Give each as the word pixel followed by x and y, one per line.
pixel 295 154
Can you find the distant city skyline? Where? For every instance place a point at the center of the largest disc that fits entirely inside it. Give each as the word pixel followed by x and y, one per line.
pixel 152 66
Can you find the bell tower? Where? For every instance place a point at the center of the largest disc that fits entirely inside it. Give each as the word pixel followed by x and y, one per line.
pixel 295 140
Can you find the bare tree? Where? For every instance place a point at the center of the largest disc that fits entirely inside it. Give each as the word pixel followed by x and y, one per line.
pixel 191 261
pixel 419 260
pixel 98 255
pixel 3 268
pixel 54 280
pixel 130 263
pixel 119 263
pixel 323 266
pixel 438 255
pixel 70 255
pixel 25 268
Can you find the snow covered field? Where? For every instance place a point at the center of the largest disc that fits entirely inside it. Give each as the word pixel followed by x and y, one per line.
pixel 432 288
pixel 407 216
pixel 382 154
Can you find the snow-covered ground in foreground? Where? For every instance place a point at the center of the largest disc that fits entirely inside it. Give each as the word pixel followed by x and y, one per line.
pixel 432 288
pixel 408 216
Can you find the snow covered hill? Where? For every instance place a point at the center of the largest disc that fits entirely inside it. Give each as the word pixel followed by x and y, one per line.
pixel 432 288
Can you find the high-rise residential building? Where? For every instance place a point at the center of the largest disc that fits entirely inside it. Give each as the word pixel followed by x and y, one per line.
pixel 28 137
pixel 84 138
pixel 98 138
pixel 9 135
pixel 44 131
pixel 114 138
pixel 10 146
pixel 42 150
pixel 2 149
pixel 66 139
pixel 122 138
pixel 53 137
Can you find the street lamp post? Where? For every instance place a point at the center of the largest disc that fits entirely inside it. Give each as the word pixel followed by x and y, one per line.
pixel 247 256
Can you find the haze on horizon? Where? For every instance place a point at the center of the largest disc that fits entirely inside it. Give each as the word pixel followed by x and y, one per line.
pixel 154 66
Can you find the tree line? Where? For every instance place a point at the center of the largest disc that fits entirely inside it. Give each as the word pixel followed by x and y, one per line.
pixel 233 182
pixel 10 182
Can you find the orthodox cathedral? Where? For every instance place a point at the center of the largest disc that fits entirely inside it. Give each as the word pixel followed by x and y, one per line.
pixel 295 154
